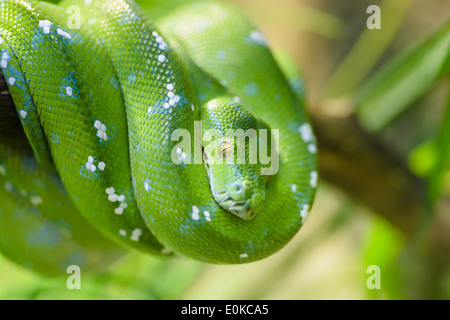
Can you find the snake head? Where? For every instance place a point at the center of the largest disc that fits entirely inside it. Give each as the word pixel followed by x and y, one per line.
pixel 243 198
pixel 238 190
pixel 230 155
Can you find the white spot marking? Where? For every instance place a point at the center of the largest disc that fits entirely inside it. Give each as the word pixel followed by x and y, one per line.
pixel 90 164
pixel 304 213
pixel 4 62
pixel 35 201
pixel 294 188
pixel 101 130
pixel 306 132
pixel 122 232
pixel 46 25
pixel 11 81
pixel 207 215
pixel 258 37
pixel 136 234
pixel 23 114
pixel 195 214
pixel 113 197
pixel 69 91
pixel 312 148
pixel 110 190
pixel 124 205
pixel 102 166
pixel 243 256
pixel 161 58
pixel 314 178
pixel 118 211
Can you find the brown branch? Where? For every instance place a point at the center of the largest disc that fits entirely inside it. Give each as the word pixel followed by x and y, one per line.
pixel 11 130
pixel 369 172
pixel 358 164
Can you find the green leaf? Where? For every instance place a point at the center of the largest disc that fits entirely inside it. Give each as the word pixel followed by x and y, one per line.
pixel 404 79
pixel 423 159
pixel 442 165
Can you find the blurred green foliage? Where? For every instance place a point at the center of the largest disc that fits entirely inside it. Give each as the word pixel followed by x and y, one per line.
pixel 407 77
pixel 439 184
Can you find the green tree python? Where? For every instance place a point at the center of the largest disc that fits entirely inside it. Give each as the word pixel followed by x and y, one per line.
pixel 121 116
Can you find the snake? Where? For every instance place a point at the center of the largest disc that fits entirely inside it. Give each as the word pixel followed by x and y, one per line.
pixel 130 125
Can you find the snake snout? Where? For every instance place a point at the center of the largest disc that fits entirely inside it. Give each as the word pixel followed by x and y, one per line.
pixel 241 199
pixel 239 191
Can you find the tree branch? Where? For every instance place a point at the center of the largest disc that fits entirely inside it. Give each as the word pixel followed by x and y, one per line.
pixel 11 130
pixel 369 172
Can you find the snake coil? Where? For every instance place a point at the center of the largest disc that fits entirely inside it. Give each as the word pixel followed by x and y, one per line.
pixel 100 92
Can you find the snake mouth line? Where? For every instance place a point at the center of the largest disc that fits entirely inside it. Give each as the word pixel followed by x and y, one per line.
pixel 240 208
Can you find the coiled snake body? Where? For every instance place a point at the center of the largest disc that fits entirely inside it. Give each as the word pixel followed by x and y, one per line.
pixel 101 98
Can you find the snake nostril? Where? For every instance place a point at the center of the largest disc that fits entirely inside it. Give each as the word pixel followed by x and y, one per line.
pixel 236 192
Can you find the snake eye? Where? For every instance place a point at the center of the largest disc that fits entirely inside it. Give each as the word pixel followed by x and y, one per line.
pixel 206 160
pixel 225 149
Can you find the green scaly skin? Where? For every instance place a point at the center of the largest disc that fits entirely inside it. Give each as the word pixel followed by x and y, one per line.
pixel 100 104
pixel 40 228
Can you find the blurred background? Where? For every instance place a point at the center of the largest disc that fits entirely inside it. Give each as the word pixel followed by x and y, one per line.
pixel 379 104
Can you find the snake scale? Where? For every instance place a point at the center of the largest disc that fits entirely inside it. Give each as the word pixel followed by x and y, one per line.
pixel 105 96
